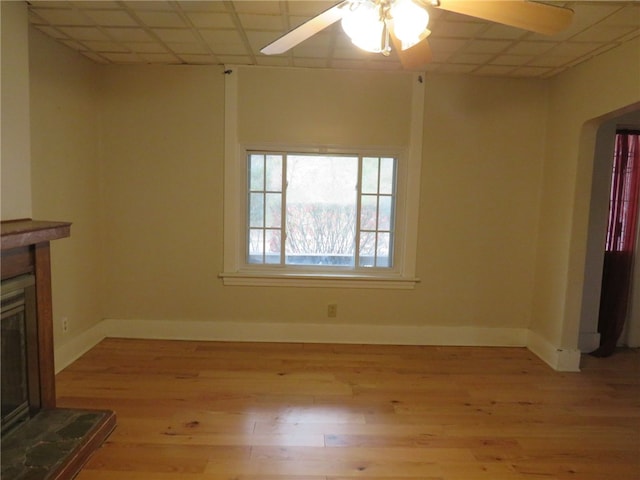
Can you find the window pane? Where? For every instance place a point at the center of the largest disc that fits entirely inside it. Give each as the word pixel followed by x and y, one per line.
pixel 256 246
pixel 367 249
pixel 384 213
pixel 382 253
pixel 368 212
pixel 369 175
pixel 273 247
pixel 387 175
pixel 273 210
pixel 256 210
pixel 274 173
pixel 256 167
pixel 321 210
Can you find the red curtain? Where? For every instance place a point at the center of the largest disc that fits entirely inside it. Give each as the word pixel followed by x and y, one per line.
pixel 621 236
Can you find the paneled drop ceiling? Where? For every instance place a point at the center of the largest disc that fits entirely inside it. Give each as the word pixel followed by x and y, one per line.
pixel 233 32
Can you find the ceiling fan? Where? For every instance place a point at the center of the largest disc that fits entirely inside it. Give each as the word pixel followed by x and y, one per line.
pixel 376 25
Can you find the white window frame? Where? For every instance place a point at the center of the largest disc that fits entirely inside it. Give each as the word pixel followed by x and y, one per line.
pixel 238 272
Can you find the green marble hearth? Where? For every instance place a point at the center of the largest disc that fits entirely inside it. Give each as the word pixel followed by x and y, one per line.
pixel 53 444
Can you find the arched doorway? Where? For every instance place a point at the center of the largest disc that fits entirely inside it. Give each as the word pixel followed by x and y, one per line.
pixel 589 339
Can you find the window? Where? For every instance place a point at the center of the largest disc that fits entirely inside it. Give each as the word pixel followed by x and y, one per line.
pixel 327 212
pixel 335 206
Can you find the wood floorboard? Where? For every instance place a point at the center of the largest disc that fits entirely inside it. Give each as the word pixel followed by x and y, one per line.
pixel 267 411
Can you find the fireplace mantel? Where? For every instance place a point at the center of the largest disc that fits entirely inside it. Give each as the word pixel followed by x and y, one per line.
pixel 21 233
pixel 25 249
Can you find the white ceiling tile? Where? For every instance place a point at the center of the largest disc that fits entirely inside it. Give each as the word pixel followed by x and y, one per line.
pixel 162 58
pixel 512 59
pixel 576 49
pixel 603 33
pixel 494 70
pixel 175 34
pixel 85 33
pixel 66 16
pixel 453 68
pixel 156 5
pixel 101 5
pixel 203 6
pixel 531 48
pixel 145 47
pixel 211 20
pixel 94 57
pixel 471 58
pixel 53 32
pixel 628 16
pixel 310 8
pixel 161 19
pixel 258 7
pixel 112 18
pixel 129 34
pixel 487 46
pixel 117 57
pixel 531 71
pixel 262 22
pixel 188 48
pixel 203 31
pixel 98 46
pixel 550 61
pixel 221 37
pixel 74 45
pixel 447 44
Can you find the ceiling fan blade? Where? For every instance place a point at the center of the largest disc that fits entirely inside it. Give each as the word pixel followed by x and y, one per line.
pixel 414 57
pixel 306 30
pixel 532 16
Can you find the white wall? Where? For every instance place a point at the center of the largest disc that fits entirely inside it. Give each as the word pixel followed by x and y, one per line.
pixel 14 137
pixel 65 135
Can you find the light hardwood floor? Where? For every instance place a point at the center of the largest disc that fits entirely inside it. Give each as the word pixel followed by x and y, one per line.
pixel 247 411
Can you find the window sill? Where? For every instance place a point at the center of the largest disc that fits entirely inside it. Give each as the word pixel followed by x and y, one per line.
pixel 259 279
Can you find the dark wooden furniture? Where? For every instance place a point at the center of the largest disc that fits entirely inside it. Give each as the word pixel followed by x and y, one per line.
pixel 25 249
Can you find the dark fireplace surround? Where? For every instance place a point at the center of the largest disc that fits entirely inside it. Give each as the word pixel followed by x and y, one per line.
pixel 28 373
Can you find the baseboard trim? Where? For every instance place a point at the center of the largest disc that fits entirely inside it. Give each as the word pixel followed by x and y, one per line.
pixel 314 333
pixel 560 359
pixel 69 352
pixel 556 358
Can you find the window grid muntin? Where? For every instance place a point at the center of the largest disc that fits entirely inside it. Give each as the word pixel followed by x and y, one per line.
pixel 261 190
pixel 377 231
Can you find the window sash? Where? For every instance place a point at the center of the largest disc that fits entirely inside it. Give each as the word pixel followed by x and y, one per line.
pixel 260 232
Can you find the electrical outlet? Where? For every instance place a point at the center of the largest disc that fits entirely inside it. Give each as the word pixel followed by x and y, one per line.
pixel 332 310
pixel 65 324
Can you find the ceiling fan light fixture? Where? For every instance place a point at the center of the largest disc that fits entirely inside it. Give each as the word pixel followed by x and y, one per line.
pixel 364 25
pixel 410 22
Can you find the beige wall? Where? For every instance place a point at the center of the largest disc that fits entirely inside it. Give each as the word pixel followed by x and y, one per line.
pixel 324 107
pixel 163 186
pixel 65 177
pixel 581 99
pixel 15 144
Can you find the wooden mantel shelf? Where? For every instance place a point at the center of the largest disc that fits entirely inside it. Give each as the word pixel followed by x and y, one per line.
pixel 20 233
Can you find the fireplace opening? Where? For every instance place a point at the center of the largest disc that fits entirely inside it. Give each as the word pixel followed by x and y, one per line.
pixel 19 388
